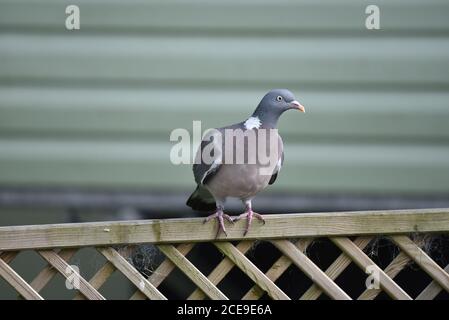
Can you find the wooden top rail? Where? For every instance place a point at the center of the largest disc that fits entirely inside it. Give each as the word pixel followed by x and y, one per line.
pixel 193 230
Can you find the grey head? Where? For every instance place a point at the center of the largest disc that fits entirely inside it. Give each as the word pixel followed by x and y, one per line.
pixel 273 104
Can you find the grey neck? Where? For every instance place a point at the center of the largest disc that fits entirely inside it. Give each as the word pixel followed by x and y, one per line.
pixel 268 118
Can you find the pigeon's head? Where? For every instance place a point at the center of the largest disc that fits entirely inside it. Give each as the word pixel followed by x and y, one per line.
pixel 280 100
pixel 273 104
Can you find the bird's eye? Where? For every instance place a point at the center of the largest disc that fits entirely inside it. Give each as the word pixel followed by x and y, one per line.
pixel 279 98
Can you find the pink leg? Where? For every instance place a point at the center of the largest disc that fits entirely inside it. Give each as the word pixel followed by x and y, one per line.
pixel 219 215
pixel 249 214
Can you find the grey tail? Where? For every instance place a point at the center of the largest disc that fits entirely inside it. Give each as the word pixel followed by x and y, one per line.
pixel 201 200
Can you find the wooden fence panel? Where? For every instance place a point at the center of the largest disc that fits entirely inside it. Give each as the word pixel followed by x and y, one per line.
pixel 166 234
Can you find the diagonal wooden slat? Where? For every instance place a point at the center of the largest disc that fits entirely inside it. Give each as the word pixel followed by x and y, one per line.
pixel 8 256
pixel 192 272
pixel 17 282
pixel 221 270
pixel 99 278
pixel 241 261
pixel 62 266
pixel 167 266
pixel 432 290
pixel 46 274
pixel 335 269
pixel 310 269
pixel 423 260
pixel 131 273
pixel 363 261
pixel 276 270
pixel 163 270
pixel 392 270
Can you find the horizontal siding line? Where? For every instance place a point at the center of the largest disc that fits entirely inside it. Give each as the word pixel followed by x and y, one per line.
pixel 88 150
pixel 236 84
pixel 91 144
pixel 17 107
pixel 167 32
pixel 158 176
pixel 207 14
pixel 365 44
pixel 306 138
pixel 216 100
pixel 236 87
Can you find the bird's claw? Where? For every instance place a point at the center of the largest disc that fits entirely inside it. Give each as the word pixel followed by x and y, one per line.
pixel 219 215
pixel 249 214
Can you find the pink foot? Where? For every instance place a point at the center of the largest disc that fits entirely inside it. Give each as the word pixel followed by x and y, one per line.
pixel 219 215
pixel 249 214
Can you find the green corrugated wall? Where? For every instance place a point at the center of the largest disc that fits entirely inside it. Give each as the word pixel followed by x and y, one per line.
pixel 95 107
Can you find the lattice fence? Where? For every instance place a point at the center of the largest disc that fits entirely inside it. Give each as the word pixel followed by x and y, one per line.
pixel 176 238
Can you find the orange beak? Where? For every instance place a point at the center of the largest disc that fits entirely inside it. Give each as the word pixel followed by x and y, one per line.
pixel 298 106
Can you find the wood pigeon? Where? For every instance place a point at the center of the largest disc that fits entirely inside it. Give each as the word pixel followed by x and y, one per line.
pixel 234 166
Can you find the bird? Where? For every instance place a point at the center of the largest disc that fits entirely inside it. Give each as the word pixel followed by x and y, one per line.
pixel 221 177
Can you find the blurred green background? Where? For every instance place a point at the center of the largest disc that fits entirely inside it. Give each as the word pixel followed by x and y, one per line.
pixel 85 115
pixel 94 107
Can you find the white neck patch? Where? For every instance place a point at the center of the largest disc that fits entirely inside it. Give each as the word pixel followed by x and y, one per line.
pixel 252 122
